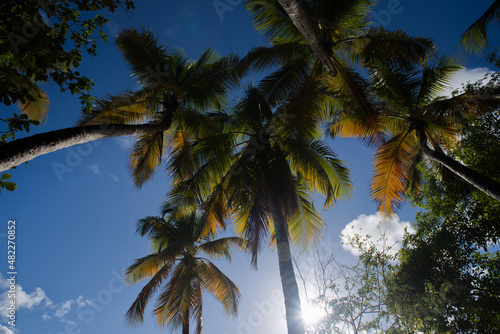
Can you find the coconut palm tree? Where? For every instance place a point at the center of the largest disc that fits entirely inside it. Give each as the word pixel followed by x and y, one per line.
pixel 475 37
pixel 342 28
pixel 413 117
pixel 300 18
pixel 262 169
pixel 174 91
pixel 180 274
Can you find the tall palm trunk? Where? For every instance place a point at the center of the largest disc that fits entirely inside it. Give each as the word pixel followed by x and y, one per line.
pixel 22 150
pixel 301 20
pixel 293 309
pixel 185 322
pixel 487 185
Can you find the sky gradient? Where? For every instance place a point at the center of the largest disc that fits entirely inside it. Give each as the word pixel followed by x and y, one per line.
pixel 76 209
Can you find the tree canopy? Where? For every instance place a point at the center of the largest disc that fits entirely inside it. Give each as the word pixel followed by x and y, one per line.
pixel 449 279
pixel 42 41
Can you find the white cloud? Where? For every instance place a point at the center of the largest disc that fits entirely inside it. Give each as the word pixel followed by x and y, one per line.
pixel 95 169
pixel 114 28
pixel 46 317
pixel 69 322
pixel 126 142
pixel 172 32
pixel 463 76
pixel 374 226
pixel 3 283
pixel 5 330
pixel 23 300
pixel 114 177
pixel 64 309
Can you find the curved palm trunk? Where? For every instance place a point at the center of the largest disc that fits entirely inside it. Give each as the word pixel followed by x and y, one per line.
pixel 22 150
pixel 293 309
pixel 485 184
pixel 300 19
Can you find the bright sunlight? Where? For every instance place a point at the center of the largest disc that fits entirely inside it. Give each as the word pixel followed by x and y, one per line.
pixel 311 314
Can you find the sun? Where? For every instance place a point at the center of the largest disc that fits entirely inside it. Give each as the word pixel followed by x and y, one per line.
pixel 312 314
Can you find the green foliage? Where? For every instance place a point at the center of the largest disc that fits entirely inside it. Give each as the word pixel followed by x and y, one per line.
pixel 449 278
pixel 263 153
pixel 16 123
pixel 353 296
pixel 42 41
pixel 175 91
pixel 475 37
pixel 10 186
pixel 177 270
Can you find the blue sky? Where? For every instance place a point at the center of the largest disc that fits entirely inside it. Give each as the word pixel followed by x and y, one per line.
pixel 75 230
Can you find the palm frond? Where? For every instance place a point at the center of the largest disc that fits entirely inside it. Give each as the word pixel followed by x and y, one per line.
pixel 270 19
pixel 266 58
pixel 392 165
pixel 176 298
pixel 252 222
pixel 128 107
pixel 467 105
pixel 144 267
pixel 288 78
pixel 436 76
pixel 221 247
pixel 207 82
pixel 307 107
pixel 377 45
pixel 351 92
pixel 219 286
pixel 147 58
pixel 475 37
pixel 37 105
pixel 348 125
pixel 321 168
pixel 307 225
pixel 135 314
pixel 146 156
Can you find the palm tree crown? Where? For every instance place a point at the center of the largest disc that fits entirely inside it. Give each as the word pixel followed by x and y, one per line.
pixel 475 37
pixel 411 116
pixel 174 91
pixel 262 169
pixel 177 270
pixel 342 28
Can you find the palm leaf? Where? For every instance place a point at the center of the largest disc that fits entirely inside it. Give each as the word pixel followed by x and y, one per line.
pixel 37 106
pixel 306 226
pixel 286 79
pixel 475 37
pixel 321 168
pixel 436 76
pixel 271 19
pixel 146 156
pixel 175 299
pixel 266 58
pixel 147 58
pixel 221 247
pixel 135 314
pixel 391 165
pixel 219 286
pixel 377 45
pixel 126 108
